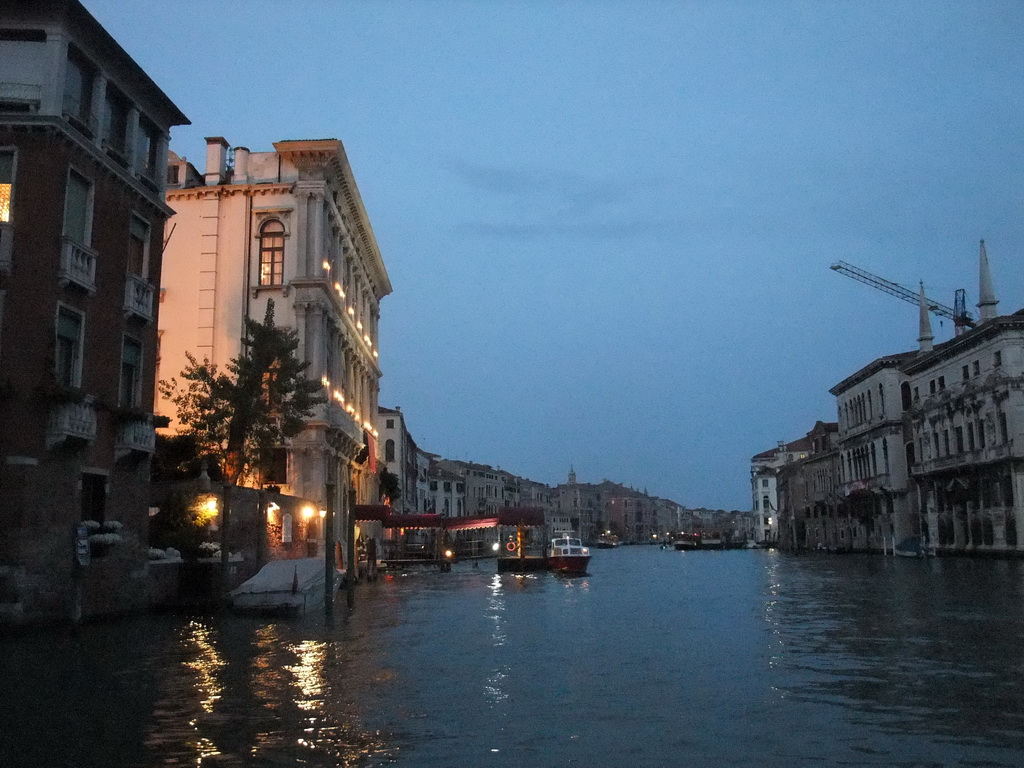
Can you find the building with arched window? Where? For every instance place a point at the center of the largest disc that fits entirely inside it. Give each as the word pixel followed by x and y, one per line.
pixel 287 225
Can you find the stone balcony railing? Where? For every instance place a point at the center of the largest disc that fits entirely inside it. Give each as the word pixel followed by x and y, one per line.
pixel 138 298
pixel 135 436
pixel 967 458
pixel 345 422
pixel 6 247
pixel 71 421
pixel 77 265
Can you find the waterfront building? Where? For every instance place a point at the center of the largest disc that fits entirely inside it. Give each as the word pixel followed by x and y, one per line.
pixel 875 484
pixel 446 492
pixel 764 467
pixel 423 462
pixel 400 457
pixel 83 141
pixel 964 405
pixel 809 510
pixel 486 488
pixel 287 225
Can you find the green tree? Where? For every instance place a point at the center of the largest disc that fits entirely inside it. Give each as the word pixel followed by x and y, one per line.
pixel 388 484
pixel 239 418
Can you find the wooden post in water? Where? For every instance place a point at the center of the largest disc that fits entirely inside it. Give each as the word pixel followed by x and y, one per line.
pixel 225 549
pixel 350 575
pixel 329 553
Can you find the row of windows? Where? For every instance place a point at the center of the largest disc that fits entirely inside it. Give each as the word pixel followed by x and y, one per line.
pixel 114 116
pixel 447 486
pixel 68 357
pixel 967 372
pixel 78 213
pixel 860 409
pixel 944 443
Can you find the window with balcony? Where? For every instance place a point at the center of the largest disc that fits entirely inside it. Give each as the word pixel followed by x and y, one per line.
pixel 138 247
pixel 78 208
pixel 6 184
pixel 130 393
pixel 68 351
pixel 78 84
pixel 272 253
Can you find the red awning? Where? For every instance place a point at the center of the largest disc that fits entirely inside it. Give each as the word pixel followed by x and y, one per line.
pixel 517 516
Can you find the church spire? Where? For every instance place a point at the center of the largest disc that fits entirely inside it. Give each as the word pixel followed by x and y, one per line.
pixel 572 475
pixel 925 336
pixel 986 294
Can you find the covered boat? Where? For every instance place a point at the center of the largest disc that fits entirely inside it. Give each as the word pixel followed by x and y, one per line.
pixel 284 587
pixel 567 554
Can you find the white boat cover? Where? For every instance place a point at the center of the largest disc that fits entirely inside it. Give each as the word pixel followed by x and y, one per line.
pixel 290 576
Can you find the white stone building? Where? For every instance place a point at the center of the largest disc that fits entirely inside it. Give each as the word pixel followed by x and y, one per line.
pixel 287 225
pixel 400 456
pixel 874 483
pixel 764 488
pixel 965 411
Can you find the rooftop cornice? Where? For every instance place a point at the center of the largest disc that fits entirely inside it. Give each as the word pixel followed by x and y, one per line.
pixel 960 344
pixel 60 126
pixel 330 153
pixel 229 190
pixel 898 361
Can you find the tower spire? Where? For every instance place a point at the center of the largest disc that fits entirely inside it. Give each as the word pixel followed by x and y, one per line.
pixel 925 336
pixel 987 301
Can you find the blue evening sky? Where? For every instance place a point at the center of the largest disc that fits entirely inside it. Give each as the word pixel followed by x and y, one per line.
pixel 609 224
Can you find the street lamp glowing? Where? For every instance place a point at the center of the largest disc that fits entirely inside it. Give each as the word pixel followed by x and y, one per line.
pixel 308 512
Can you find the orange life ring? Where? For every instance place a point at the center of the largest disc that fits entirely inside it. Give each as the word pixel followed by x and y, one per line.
pixel 511 546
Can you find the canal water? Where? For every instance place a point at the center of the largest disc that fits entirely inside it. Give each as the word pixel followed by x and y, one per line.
pixel 657 658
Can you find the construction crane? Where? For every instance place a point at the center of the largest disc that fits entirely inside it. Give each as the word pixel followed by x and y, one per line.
pixel 957 313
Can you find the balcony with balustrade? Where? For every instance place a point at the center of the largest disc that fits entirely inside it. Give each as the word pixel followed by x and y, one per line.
pixel 71 422
pixel 138 298
pixel 135 436
pixel 77 265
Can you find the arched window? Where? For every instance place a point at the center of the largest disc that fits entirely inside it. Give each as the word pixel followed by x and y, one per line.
pixel 272 253
pixel 389 450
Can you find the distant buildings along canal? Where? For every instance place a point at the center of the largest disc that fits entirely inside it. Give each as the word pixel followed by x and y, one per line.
pixel 927 454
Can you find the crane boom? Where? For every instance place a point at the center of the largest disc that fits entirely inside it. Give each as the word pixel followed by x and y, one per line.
pixel 893 289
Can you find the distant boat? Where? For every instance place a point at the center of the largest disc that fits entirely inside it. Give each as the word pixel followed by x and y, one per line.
pixel 284 587
pixel 606 541
pixel 568 555
pixel 686 541
pixel 710 540
pixel 910 547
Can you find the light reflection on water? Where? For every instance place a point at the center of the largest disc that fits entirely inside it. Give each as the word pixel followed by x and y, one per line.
pixel 655 658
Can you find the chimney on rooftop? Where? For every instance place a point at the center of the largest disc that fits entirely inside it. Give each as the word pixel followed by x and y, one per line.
pixel 242 164
pixel 216 160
